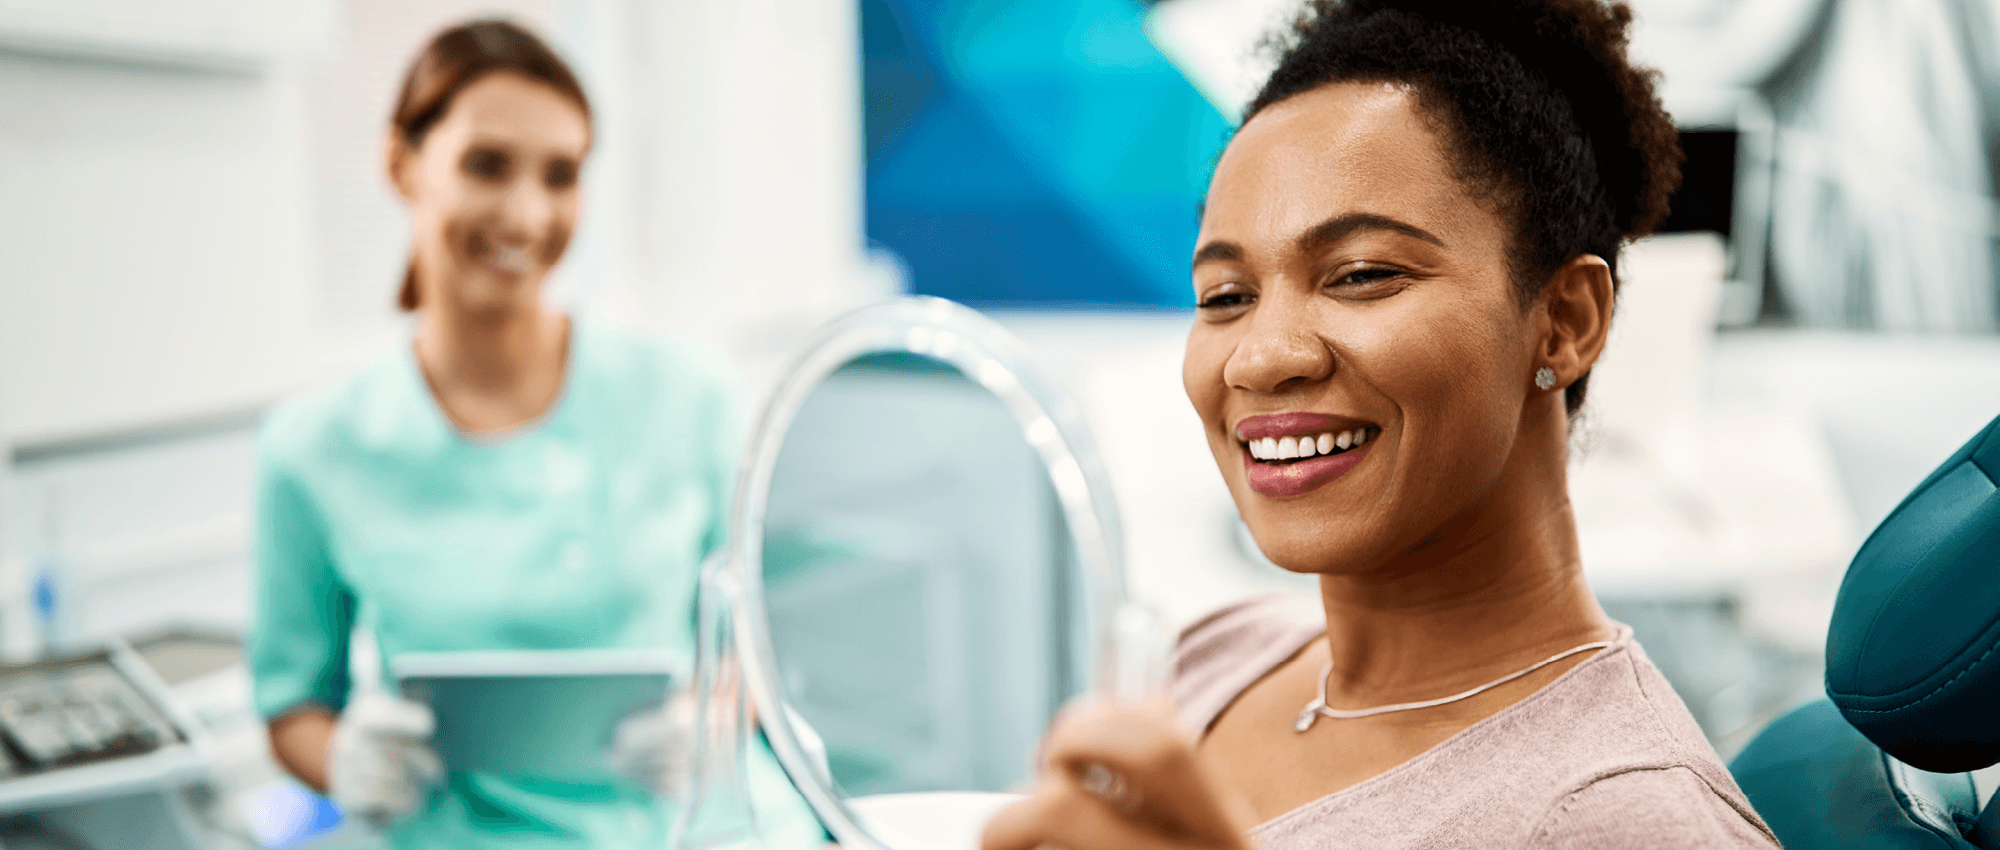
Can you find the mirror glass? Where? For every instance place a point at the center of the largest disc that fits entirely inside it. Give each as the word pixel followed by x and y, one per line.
pixel 918 581
pixel 923 568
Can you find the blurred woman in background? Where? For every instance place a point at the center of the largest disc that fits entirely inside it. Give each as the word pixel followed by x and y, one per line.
pixel 515 478
pixel 1405 272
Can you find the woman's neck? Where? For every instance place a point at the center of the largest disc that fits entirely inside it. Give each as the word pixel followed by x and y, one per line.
pixel 491 371
pixel 1490 593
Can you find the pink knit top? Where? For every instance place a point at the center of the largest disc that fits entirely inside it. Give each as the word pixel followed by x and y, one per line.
pixel 1606 756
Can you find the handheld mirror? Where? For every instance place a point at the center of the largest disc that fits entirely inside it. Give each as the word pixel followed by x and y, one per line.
pixel 924 564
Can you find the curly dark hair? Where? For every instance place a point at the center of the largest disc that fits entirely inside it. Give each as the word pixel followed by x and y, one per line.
pixel 1544 113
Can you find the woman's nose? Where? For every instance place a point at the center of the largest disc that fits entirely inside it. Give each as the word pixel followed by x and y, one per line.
pixel 526 209
pixel 1283 347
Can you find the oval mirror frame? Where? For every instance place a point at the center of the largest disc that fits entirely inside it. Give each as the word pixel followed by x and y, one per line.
pixel 991 357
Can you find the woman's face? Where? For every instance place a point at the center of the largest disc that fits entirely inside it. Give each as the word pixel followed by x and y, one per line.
pixel 1350 284
pixel 492 191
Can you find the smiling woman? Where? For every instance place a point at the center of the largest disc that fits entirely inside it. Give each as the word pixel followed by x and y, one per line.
pixel 512 479
pixel 456 181
pixel 1405 270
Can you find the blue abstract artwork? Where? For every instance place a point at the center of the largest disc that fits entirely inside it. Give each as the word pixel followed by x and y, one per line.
pixel 1033 153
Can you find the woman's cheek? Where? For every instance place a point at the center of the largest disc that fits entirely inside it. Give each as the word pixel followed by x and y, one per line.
pixel 1430 370
pixel 437 230
pixel 557 240
pixel 455 236
pixel 1201 374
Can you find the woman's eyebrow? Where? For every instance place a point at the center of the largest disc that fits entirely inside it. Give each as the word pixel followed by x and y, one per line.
pixel 1328 231
pixel 1218 252
pixel 1339 227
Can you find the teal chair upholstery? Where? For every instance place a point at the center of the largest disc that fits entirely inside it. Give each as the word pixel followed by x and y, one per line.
pixel 1912 681
pixel 1820 785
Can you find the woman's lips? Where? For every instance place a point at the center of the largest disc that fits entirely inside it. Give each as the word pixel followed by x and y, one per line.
pixel 508 259
pixel 1299 476
pixel 1288 454
pixel 505 260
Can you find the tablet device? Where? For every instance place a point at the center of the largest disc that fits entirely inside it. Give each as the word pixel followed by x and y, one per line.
pixel 543 713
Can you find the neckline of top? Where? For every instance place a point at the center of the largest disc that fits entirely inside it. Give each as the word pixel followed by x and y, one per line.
pixel 1620 645
pixel 573 366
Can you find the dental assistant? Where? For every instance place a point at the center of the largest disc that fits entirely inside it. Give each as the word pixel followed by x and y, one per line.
pixel 513 478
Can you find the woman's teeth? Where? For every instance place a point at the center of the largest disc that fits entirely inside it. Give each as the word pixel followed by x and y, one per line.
pixel 508 259
pixel 1292 448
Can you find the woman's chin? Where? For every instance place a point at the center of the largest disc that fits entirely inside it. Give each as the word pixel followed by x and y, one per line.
pixel 1310 543
pixel 1298 552
pixel 494 294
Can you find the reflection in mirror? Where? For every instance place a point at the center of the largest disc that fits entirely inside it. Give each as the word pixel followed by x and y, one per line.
pixel 918 581
pixel 924 563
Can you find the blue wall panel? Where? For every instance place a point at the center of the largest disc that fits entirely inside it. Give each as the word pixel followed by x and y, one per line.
pixel 1033 152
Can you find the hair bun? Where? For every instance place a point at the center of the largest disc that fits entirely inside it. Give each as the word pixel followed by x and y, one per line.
pixel 1578 48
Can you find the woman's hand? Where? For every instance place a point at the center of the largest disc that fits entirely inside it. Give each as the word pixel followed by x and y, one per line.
pixel 1121 777
pixel 655 746
pixel 380 765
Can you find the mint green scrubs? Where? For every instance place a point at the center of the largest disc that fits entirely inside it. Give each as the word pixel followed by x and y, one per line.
pixel 583 530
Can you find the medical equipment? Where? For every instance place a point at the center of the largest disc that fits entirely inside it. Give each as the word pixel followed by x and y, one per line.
pixel 999 505
pixel 1912 682
pixel 95 754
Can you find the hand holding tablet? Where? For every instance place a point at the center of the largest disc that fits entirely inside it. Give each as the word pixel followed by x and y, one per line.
pixel 380 764
pixel 573 715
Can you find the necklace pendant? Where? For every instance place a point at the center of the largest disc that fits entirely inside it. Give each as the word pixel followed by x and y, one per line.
pixel 1306 719
pixel 1318 706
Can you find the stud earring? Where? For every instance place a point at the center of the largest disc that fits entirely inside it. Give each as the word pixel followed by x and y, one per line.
pixel 1545 378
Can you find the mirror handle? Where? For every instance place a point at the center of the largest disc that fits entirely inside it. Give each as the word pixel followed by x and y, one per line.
pixel 811 742
pixel 715 809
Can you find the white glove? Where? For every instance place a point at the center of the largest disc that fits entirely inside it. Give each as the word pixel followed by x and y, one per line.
pixel 655 746
pixel 380 764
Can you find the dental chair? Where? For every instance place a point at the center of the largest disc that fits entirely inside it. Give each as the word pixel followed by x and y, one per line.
pixel 1912 679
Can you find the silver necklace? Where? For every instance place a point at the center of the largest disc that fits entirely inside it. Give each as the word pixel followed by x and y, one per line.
pixel 1318 707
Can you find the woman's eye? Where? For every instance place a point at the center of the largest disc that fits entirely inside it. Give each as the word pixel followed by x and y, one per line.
pixel 1371 274
pixel 1225 300
pixel 560 174
pixel 491 165
pixel 1367 282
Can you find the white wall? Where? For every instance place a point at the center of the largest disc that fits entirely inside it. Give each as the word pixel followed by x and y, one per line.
pixel 154 260
pixel 734 184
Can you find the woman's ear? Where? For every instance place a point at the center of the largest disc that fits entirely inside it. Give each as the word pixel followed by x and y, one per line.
pixel 1575 318
pixel 399 163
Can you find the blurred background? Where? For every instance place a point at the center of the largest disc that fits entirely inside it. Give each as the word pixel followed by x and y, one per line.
pixel 194 222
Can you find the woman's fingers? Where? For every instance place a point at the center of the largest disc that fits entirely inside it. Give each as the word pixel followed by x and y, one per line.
pixel 1137 758
pixel 421 762
pixel 1063 815
pixel 1121 776
pixel 390 716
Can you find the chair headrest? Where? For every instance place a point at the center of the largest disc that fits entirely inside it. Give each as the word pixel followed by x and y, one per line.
pixel 1913 653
